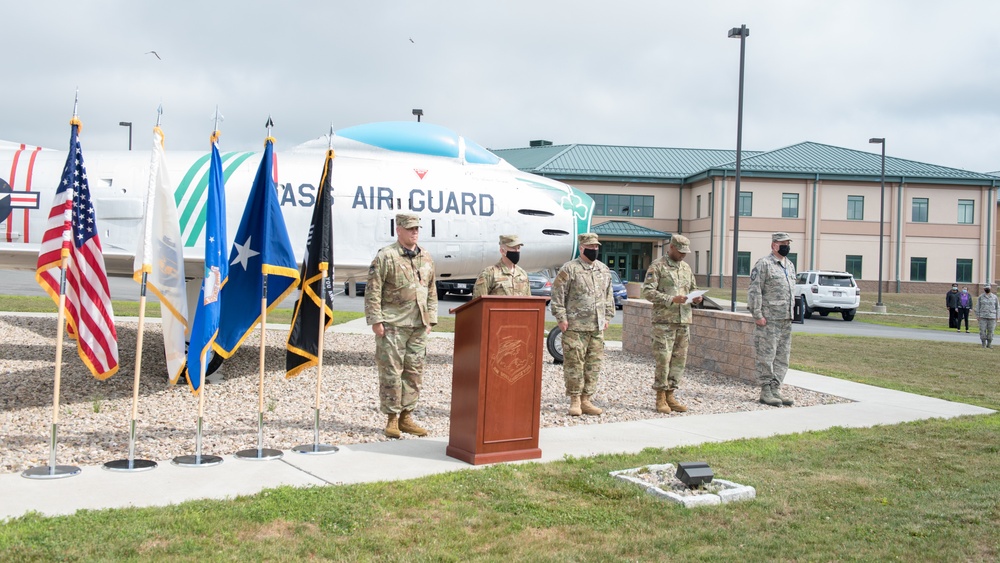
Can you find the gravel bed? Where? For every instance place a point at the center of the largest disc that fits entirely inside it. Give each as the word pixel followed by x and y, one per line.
pixel 94 415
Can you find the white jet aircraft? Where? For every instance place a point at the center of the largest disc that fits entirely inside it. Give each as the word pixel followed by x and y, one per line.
pixel 465 195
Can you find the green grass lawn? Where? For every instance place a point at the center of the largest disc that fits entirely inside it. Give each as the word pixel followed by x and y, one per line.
pixel 923 491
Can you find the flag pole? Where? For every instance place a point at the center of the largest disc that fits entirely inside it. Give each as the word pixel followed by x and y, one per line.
pixel 132 464
pixel 317 447
pixel 199 460
pixel 53 471
pixel 260 453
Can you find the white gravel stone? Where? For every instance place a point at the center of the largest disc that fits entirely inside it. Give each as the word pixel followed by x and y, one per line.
pixel 94 415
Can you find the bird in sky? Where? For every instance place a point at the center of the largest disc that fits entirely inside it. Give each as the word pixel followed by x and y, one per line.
pixel 411 40
pixel 155 54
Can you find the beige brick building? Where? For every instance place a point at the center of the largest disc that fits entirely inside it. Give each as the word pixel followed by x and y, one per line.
pixel 940 224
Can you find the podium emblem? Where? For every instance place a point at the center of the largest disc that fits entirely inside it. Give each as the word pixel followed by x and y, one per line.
pixel 514 357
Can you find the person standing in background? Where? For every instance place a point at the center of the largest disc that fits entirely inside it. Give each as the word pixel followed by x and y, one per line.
pixel 987 312
pixel 964 306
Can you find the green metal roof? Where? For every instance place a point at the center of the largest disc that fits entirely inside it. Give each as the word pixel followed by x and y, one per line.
pixel 674 165
pixel 604 162
pixel 627 229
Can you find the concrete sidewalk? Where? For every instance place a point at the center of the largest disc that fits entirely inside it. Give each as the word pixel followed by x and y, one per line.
pixel 96 488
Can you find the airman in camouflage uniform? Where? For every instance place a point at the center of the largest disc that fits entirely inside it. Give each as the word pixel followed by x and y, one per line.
pixel 505 277
pixel 401 307
pixel 668 281
pixel 987 311
pixel 583 305
pixel 771 301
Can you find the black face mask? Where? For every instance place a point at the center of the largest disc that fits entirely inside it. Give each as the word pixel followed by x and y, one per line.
pixel 590 253
pixel 784 249
pixel 987 290
pixel 514 256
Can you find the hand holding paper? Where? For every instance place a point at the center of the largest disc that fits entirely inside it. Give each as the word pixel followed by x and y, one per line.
pixel 695 294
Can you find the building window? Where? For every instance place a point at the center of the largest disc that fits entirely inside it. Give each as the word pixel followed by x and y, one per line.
pixel 697 207
pixel 711 201
pixel 790 205
pixel 708 260
pixel 743 264
pixel 853 265
pixel 746 204
pixel 918 269
pixel 966 211
pixel 697 261
pixel 920 209
pixel 616 205
pixel 855 208
pixel 963 270
pixel 793 258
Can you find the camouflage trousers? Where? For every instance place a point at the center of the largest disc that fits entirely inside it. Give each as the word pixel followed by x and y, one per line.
pixel 773 342
pixel 583 351
pixel 986 327
pixel 670 348
pixel 399 355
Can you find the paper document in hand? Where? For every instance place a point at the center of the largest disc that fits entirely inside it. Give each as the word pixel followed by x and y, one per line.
pixel 695 294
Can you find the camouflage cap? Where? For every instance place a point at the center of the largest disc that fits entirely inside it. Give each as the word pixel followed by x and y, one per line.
pixel 588 238
pixel 987 286
pixel 681 243
pixel 407 220
pixel 777 237
pixel 511 241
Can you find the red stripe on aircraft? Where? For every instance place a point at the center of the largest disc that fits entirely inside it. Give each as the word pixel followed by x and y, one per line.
pixel 13 174
pixel 27 188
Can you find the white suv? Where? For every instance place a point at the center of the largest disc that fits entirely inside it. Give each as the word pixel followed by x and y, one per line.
pixel 824 292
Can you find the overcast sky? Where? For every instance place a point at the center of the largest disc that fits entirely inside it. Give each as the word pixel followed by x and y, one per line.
pixel 924 74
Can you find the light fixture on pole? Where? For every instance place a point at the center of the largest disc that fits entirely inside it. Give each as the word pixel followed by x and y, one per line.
pixel 129 125
pixel 879 306
pixel 418 113
pixel 742 32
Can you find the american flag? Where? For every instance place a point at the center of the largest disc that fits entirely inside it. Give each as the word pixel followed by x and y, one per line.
pixel 72 231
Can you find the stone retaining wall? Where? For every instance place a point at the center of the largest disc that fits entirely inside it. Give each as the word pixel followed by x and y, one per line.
pixel 721 341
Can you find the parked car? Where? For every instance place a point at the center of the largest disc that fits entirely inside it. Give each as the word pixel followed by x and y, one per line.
pixel 361 287
pixel 541 282
pixel 826 292
pixel 618 288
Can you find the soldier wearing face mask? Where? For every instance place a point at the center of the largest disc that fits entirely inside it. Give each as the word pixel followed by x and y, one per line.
pixel 505 277
pixel 987 311
pixel 771 303
pixel 583 305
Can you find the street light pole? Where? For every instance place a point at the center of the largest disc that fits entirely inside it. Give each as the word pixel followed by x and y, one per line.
pixel 742 32
pixel 418 113
pixel 129 125
pixel 879 306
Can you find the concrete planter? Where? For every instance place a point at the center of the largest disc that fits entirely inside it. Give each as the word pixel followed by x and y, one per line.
pixel 659 481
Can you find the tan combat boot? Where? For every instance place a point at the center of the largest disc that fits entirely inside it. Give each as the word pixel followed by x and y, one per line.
pixel 586 407
pixel 392 427
pixel 661 401
pixel 673 404
pixel 767 397
pixel 787 401
pixel 574 406
pixel 410 426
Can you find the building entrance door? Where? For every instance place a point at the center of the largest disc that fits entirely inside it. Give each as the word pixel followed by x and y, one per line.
pixel 619 263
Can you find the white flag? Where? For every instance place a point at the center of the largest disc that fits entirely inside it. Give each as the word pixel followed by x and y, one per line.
pixel 161 256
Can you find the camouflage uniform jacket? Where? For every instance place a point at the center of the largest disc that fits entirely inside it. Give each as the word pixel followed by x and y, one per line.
pixel 666 279
pixel 497 280
pixel 771 283
pixel 401 290
pixel 987 306
pixel 582 296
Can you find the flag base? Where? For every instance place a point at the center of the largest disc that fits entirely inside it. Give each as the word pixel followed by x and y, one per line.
pixel 259 454
pixel 130 465
pixel 51 472
pixel 197 460
pixel 316 449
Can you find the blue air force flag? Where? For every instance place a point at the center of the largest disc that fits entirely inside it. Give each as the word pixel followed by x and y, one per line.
pixel 261 247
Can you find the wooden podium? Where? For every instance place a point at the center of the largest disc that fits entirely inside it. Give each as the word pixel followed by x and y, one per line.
pixel 496 386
